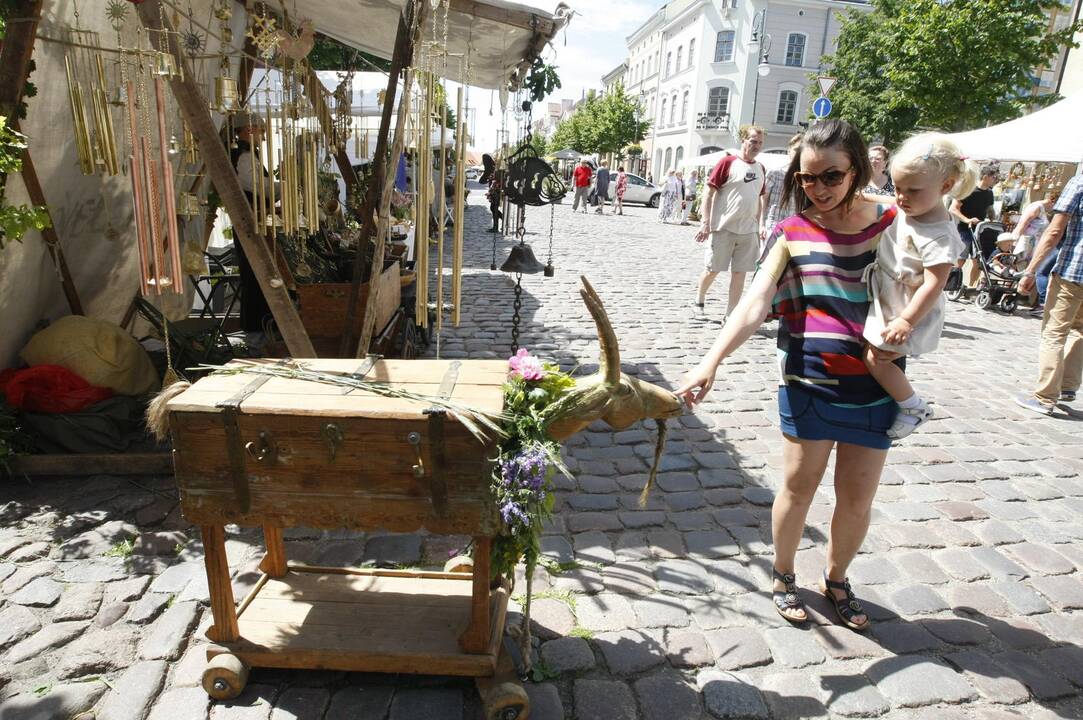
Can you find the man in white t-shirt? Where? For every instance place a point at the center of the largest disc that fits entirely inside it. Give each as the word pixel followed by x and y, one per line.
pixel 731 212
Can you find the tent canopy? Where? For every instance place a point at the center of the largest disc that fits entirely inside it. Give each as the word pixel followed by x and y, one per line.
pixel 770 161
pixel 567 154
pixel 1048 135
pixel 500 38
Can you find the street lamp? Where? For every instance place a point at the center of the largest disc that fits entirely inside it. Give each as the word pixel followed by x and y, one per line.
pixel 637 140
pixel 762 41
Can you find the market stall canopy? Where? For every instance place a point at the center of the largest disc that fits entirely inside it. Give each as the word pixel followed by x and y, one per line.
pixel 1048 135
pixel 500 38
pixel 771 161
pixel 567 154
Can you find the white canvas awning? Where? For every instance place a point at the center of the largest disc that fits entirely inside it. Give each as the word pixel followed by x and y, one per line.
pixel 769 160
pixel 499 38
pixel 1048 135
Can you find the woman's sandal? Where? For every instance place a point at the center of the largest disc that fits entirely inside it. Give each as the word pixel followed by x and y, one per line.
pixel 787 600
pixel 846 607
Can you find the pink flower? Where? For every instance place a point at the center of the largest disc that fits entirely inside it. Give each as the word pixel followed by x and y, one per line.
pixel 526 365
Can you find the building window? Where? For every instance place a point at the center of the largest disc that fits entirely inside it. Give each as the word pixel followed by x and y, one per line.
pixel 680 58
pixel 669 64
pixel 718 101
pixel 787 107
pixel 673 110
pixel 669 159
pixel 684 107
pixel 678 157
pixel 708 149
pixel 795 50
pixel 723 46
pixel 691 53
pixel 662 116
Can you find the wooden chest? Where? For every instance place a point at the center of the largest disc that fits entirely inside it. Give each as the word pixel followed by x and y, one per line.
pixel 254 450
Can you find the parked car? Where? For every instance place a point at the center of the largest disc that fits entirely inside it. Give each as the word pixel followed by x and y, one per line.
pixel 473 173
pixel 639 190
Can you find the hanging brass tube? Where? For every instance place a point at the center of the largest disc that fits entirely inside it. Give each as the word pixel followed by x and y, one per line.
pixel 135 165
pixel 168 197
pixel 460 199
pixel 441 223
pixel 79 121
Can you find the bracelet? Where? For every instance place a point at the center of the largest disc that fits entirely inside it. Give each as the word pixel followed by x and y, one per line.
pixel 1026 273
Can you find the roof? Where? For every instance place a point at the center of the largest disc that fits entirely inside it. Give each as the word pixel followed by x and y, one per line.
pixel 500 38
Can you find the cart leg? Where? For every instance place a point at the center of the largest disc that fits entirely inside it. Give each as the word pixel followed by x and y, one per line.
pixel 223 608
pixel 502 695
pixel 475 639
pixel 274 562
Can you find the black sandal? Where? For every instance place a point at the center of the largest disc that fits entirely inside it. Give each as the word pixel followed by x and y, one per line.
pixel 788 599
pixel 846 607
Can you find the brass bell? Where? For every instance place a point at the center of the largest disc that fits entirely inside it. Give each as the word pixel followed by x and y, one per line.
pixel 188 207
pixel 165 65
pixel 522 260
pixel 225 94
pixel 550 271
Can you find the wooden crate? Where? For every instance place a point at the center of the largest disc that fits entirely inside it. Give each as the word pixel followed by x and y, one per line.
pixel 308 454
pixel 322 306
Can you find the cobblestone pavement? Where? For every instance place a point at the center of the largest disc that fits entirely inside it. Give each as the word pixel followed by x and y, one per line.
pixel 972 569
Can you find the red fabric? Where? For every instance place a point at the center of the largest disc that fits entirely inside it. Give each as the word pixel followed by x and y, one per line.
pixel 50 389
pixel 582 176
pixel 721 173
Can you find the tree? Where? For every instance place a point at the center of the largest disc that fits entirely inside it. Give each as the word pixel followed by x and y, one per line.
pixel 603 124
pixel 947 64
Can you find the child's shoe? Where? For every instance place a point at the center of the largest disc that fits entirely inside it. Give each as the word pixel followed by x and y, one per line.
pixel 910 419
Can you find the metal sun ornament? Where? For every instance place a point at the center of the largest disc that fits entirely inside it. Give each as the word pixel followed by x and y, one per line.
pixel 117 12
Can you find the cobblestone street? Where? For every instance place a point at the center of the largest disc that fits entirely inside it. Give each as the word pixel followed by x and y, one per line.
pixel 972 570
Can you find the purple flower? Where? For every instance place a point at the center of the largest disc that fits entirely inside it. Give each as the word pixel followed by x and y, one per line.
pixel 526 366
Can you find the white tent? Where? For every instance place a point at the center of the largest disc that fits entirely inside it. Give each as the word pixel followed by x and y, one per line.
pixel 769 160
pixel 1048 135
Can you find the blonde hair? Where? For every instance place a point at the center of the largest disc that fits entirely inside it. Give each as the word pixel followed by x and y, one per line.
pixel 747 130
pixel 936 153
pixel 881 150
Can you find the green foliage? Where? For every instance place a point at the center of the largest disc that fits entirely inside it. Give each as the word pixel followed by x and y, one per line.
pixel 328 54
pixel 538 143
pixel 947 64
pixel 7 7
pixel 15 221
pixel 541 80
pixel 122 549
pixel 602 124
pixel 633 150
pixel 581 632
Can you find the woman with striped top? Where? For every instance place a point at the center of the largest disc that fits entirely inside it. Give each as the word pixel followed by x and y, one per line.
pixel 810 278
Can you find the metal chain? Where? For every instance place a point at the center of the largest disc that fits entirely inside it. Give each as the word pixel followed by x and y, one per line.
pixel 549 270
pixel 516 318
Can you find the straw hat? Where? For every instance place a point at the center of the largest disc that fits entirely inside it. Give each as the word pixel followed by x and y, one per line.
pixel 245 119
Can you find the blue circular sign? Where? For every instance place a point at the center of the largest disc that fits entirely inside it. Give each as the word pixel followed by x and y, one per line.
pixel 821 108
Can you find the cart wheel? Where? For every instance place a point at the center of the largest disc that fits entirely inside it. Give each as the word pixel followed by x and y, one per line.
pixel 460 564
pixel 1008 303
pixel 957 294
pixel 225 677
pixel 984 299
pixel 506 701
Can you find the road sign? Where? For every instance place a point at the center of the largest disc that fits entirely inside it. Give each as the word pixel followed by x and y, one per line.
pixel 821 108
pixel 826 83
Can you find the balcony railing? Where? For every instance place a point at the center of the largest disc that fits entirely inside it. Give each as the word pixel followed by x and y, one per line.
pixel 707 121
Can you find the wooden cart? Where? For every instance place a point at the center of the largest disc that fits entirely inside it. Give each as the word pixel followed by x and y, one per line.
pixel 278 453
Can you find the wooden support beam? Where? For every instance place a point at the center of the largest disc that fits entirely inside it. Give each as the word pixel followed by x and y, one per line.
pixel 87 464
pixel 409 25
pixel 16 52
pixel 220 170
pixel 368 324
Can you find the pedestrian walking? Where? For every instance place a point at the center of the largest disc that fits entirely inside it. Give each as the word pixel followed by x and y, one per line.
pixel 915 255
pixel 970 211
pixel 811 280
pixel 1032 223
pixel 880 183
pixel 581 179
pixel 690 189
pixel 668 203
pixel 1060 355
pixel 622 187
pixel 731 212
pixel 601 187
pixel 772 210
pixel 495 193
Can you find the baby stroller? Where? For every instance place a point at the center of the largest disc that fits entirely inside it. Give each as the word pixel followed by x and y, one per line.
pixel 998 281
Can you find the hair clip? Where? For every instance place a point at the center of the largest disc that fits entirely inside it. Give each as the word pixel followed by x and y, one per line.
pixel 929 152
pixel 963 157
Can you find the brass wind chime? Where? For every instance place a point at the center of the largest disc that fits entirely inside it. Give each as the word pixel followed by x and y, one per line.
pixel 88 97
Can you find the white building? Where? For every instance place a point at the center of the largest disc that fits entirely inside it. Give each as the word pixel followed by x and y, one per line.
pixel 725 63
pixel 641 78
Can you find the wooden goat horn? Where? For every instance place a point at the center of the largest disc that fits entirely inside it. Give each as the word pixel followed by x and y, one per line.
pixel 609 355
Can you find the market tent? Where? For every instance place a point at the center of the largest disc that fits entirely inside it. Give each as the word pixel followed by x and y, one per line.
pixel 567 154
pixel 770 161
pixel 1049 135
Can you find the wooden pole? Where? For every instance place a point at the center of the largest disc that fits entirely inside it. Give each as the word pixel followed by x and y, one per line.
pixel 368 325
pixel 194 107
pixel 400 59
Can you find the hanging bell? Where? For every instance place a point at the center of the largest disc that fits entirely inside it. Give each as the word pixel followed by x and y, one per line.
pixel 174 146
pixel 522 260
pixel 165 65
pixel 550 271
pixel 188 207
pixel 120 96
pixel 225 94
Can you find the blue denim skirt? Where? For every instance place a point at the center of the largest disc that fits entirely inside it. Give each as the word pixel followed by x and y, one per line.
pixel 807 417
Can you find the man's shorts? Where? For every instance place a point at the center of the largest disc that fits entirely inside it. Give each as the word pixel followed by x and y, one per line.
pixel 967 236
pixel 736 252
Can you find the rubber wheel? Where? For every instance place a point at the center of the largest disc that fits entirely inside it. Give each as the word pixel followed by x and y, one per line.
pixel 984 299
pixel 653 202
pixel 506 701
pixel 956 294
pixel 1008 303
pixel 460 564
pixel 225 677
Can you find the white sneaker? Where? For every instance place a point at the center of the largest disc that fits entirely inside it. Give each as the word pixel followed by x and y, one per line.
pixel 910 419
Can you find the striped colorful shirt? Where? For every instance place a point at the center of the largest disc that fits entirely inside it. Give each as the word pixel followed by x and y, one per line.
pixel 1070 258
pixel 821 303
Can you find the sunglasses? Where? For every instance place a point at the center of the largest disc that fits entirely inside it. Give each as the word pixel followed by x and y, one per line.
pixel 830 178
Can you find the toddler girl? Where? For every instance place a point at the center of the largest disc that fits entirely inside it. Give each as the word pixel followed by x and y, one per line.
pixel 913 259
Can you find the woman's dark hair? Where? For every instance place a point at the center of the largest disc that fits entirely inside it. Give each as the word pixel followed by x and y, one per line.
pixel 836 135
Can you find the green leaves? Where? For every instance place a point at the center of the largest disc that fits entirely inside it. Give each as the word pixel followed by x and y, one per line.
pixel 947 64
pixel 15 221
pixel 541 80
pixel 603 124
